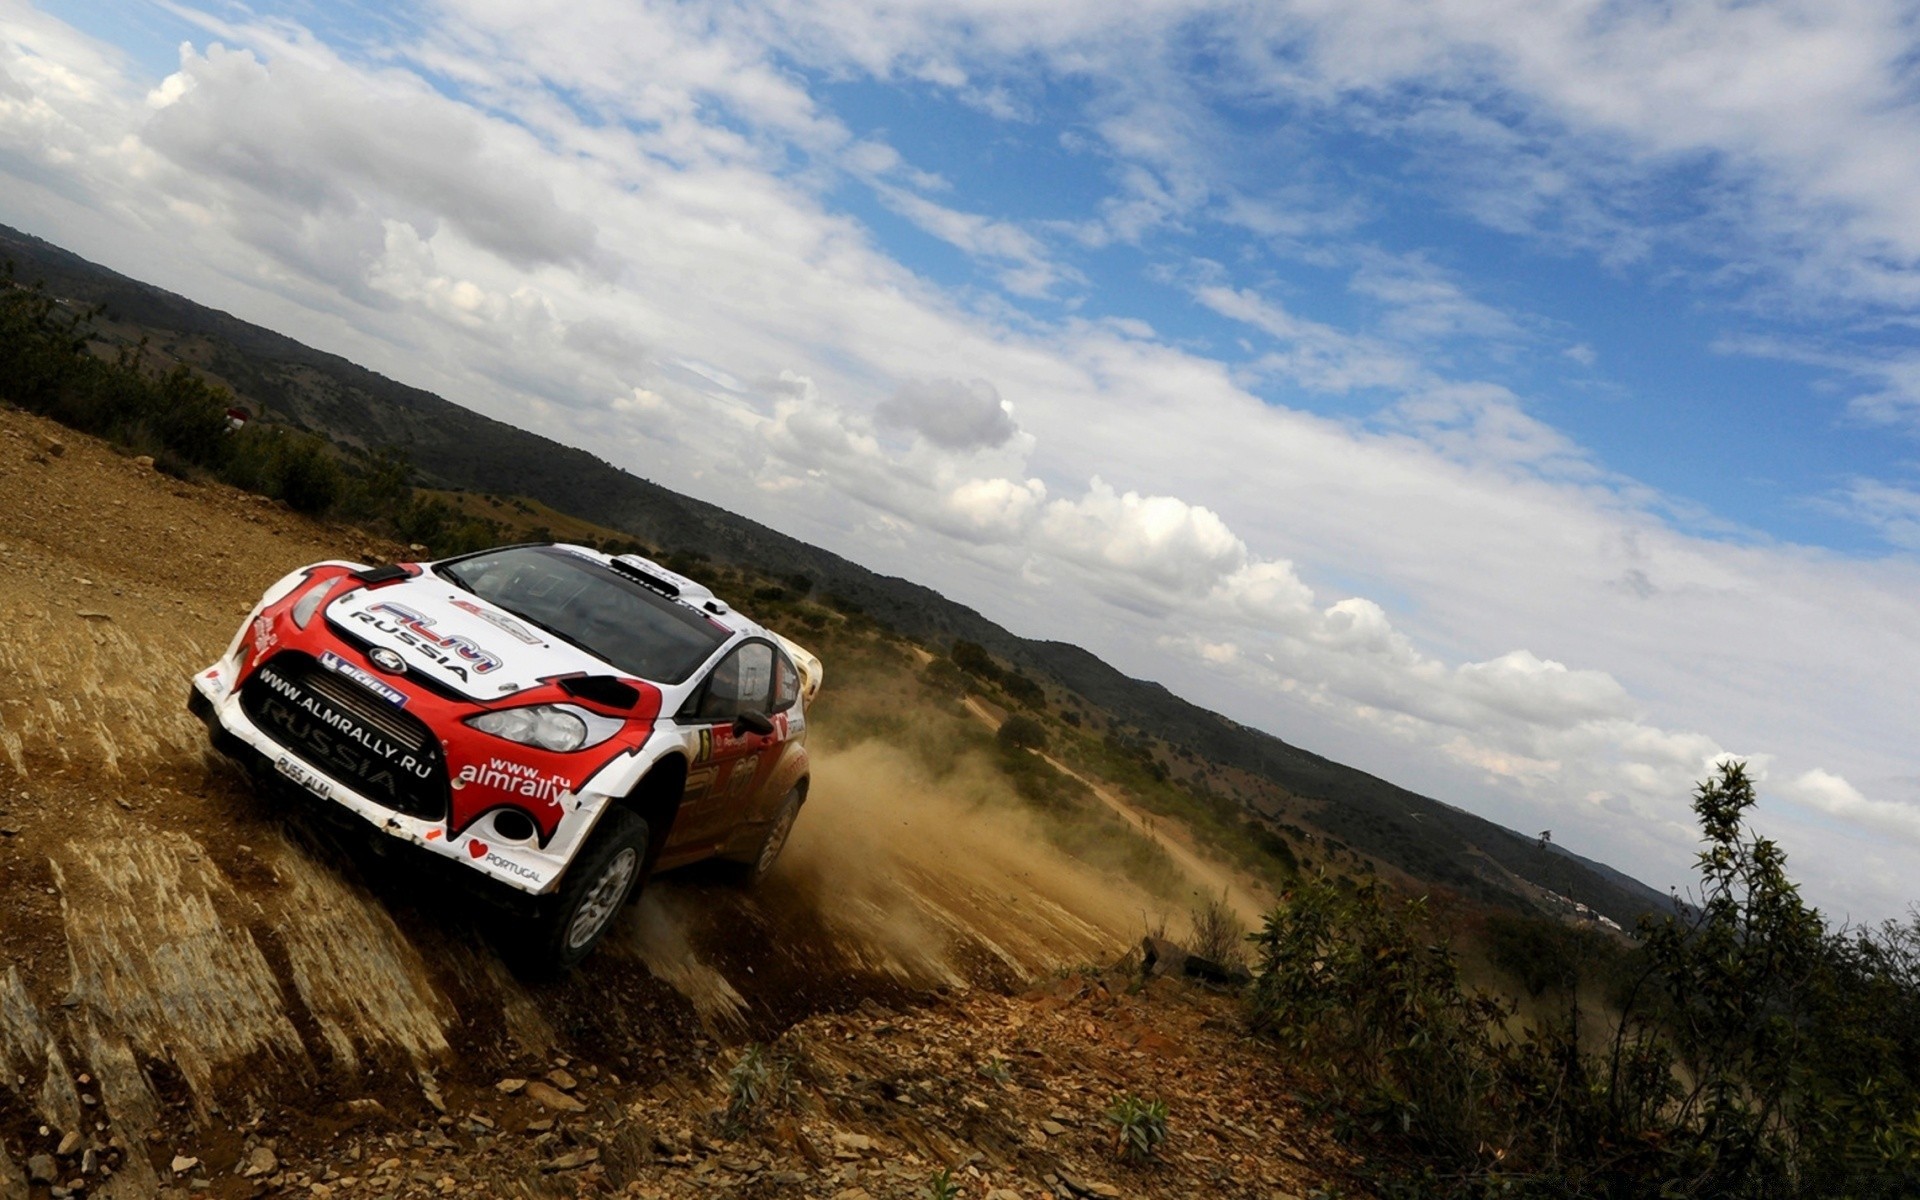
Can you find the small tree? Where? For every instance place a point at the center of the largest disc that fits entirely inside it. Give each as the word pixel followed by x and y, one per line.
pixel 1021 732
pixel 1736 981
pixel 973 658
pixel 1218 935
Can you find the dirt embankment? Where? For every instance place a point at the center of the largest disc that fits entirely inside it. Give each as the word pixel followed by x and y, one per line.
pixel 192 971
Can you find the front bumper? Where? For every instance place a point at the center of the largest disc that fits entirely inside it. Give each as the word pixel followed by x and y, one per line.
pixel 525 867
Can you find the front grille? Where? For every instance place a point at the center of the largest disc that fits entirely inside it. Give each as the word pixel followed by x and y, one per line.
pixel 385 753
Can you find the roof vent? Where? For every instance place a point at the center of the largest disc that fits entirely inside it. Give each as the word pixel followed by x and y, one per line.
pixel 645 578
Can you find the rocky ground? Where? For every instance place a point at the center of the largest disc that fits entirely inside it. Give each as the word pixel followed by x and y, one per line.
pixel 1008 1092
pixel 205 992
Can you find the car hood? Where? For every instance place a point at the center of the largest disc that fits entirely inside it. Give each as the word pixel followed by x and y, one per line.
pixel 456 639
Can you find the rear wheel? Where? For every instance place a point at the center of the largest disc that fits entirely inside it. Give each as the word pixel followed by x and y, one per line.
pixel 571 921
pixel 755 869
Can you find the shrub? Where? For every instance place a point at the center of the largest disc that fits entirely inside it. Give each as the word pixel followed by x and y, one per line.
pixel 1757 1054
pixel 996 1069
pixel 1545 955
pixel 287 465
pixel 944 679
pixel 941 1185
pixel 750 1082
pixel 973 658
pixel 1022 690
pixel 1139 1126
pixel 1218 934
pixel 1021 732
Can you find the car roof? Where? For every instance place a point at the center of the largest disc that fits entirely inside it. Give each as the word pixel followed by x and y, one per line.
pixel 698 596
pixel 674 586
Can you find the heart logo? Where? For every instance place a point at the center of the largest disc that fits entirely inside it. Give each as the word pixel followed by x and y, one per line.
pixel 433 835
pixel 477 848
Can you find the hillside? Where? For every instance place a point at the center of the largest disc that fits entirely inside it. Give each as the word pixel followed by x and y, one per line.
pixel 1334 805
pixel 205 991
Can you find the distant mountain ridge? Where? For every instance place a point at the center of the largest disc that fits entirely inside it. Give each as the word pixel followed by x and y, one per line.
pixel 457 448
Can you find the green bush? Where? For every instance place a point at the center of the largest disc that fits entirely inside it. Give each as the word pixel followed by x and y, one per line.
pixel 287 465
pixel 1758 1053
pixel 1139 1127
pixel 973 658
pixel 1022 690
pixel 941 1185
pixel 1217 934
pixel 1021 732
pixel 1544 955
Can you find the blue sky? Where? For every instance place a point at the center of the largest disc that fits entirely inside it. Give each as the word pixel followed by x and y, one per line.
pixel 1518 401
pixel 1765 446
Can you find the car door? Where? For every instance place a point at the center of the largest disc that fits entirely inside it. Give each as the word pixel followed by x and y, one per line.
pixel 728 761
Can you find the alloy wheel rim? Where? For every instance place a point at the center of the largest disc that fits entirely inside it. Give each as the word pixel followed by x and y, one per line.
pixel 776 840
pixel 602 899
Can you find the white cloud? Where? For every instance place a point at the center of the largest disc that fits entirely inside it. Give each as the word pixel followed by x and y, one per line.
pixel 1023 263
pixel 1424 303
pixel 1893 512
pixel 954 414
pixel 1163 540
pixel 321 141
pixel 1829 793
pixel 995 510
pixel 1885 383
pixel 1542 691
pixel 1313 354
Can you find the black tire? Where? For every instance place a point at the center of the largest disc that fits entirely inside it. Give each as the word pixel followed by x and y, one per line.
pixel 752 870
pixel 569 923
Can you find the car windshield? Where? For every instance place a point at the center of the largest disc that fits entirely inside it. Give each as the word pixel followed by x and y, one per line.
pixel 608 615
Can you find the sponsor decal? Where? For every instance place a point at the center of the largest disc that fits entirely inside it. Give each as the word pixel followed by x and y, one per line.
pixel 303 716
pixel 479 851
pixel 513 868
pixel 500 621
pixel 387 660
pixel 363 677
pixel 453 653
pixel 521 780
pixel 263 636
pixel 742 777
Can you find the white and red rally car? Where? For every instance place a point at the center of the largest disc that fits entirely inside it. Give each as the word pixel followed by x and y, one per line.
pixel 560 721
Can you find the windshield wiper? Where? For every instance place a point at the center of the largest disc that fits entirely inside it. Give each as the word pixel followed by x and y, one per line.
pixel 456 581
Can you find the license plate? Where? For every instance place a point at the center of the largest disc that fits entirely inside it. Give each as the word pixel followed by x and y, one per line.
pixel 305 778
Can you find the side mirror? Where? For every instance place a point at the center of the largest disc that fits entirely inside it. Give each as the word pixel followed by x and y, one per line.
pixel 753 722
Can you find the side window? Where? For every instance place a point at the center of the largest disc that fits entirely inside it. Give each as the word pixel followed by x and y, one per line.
pixel 742 682
pixel 786 684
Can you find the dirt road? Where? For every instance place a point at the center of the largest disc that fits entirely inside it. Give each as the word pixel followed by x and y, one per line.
pixel 182 951
pixel 1249 900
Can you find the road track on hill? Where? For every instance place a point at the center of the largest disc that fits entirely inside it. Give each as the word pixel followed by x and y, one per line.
pixel 1249 899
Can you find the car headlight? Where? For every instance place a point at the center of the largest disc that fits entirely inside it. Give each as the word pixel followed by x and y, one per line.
pixel 309 602
pixel 558 727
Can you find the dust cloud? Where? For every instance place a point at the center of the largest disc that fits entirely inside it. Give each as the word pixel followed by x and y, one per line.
pixel 896 875
pixel 949 854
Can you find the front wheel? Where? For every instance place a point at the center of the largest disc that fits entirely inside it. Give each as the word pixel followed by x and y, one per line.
pixel 572 920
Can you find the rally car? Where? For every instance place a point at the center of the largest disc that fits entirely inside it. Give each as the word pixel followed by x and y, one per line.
pixel 561 722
